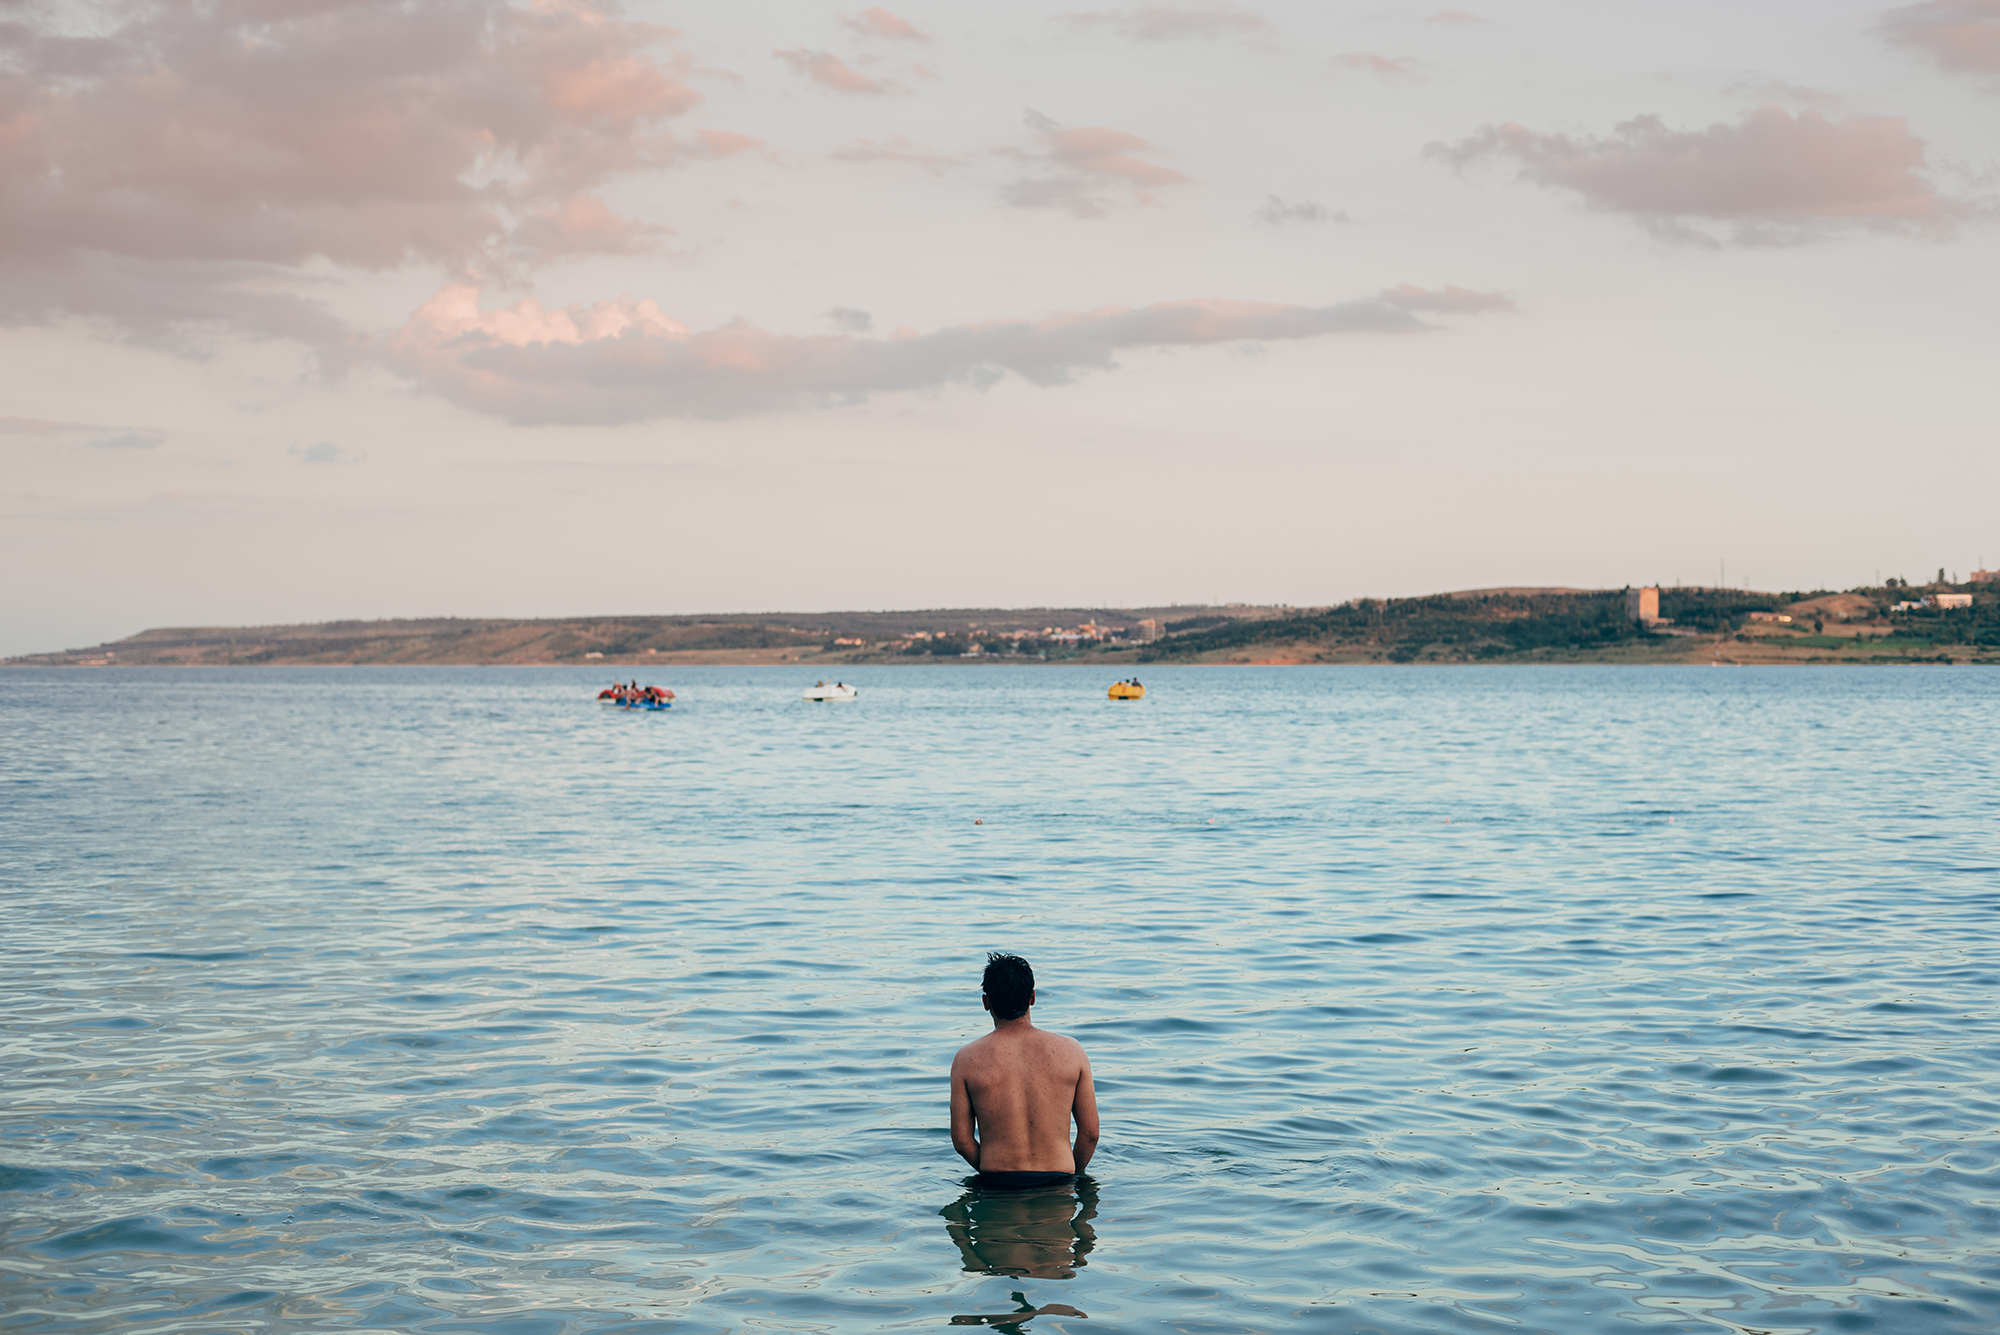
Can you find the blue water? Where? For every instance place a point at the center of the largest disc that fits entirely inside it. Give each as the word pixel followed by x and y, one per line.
pixel 1483 999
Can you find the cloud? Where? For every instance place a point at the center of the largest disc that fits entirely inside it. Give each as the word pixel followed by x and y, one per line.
pixel 1171 23
pixel 584 225
pixel 1962 36
pixel 101 437
pixel 712 144
pixel 830 71
pixel 40 426
pixel 1380 66
pixel 1075 165
pixel 1276 212
pixel 1454 16
pixel 128 440
pixel 1775 177
pixel 879 22
pixel 894 149
pixel 850 321
pixel 1448 300
pixel 626 361
pixel 169 164
pixel 176 307
pixel 325 452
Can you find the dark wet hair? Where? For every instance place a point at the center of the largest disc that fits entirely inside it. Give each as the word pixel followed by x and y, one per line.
pixel 1009 985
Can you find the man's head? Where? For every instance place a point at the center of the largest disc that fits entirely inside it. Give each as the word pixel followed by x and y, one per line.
pixel 1009 986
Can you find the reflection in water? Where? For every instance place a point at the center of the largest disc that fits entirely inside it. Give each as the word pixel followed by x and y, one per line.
pixel 1011 1321
pixel 1038 1233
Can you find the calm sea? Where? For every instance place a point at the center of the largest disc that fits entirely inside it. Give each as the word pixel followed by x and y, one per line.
pixel 1479 999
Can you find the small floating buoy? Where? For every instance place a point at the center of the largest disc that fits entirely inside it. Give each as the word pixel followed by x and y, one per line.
pixel 978 822
pixel 1211 820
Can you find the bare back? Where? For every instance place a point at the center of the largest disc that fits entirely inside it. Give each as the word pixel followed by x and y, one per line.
pixel 1013 1093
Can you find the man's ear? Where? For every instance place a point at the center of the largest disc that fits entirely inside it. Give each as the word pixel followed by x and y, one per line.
pixel 1031 998
pixel 985 1002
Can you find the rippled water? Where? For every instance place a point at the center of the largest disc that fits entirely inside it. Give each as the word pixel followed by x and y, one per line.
pixel 1546 999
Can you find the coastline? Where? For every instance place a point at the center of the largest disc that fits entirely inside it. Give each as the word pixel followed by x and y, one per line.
pixel 1483 626
pixel 1720 651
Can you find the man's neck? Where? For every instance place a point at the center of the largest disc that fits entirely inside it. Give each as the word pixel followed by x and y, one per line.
pixel 1018 1022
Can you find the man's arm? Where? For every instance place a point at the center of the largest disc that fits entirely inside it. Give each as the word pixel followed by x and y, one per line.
pixel 964 1131
pixel 1084 1108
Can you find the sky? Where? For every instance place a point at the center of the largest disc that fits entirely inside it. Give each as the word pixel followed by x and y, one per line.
pixel 329 309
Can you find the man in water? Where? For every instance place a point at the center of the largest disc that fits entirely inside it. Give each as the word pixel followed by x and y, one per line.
pixel 1014 1091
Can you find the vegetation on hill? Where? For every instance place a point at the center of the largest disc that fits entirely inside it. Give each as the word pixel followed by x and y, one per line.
pixel 1978 624
pixel 733 637
pixel 1476 628
pixel 1532 625
pixel 1489 625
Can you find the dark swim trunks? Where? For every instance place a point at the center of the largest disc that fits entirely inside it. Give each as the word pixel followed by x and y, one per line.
pixel 1017 1181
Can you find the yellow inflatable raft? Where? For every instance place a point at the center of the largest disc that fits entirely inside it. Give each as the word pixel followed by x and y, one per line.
pixel 1127 690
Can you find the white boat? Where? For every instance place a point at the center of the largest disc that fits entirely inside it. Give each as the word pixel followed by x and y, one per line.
pixel 822 691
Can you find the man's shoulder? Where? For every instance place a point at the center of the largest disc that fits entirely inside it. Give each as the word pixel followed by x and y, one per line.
pixel 998 1047
pixel 1062 1043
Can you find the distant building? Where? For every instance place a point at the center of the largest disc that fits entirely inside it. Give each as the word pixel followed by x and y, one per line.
pixel 1768 616
pixel 1950 600
pixel 1643 605
pixel 1149 630
pixel 1985 576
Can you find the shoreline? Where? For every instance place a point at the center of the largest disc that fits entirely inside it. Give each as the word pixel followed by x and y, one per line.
pixel 1092 664
pixel 1680 625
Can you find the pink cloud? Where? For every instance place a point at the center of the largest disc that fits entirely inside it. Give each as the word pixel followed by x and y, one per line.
pixel 453 315
pixel 584 225
pixel 1381 66
pixel 1777 177
pixel 1076 163
pixel 1104 153
pixel 1168 23
pixel 719 144
pixel 830 71
pixel 40 426
pixel 1454 16
pixel 169 165
pixel 1960 35
pixel 879 22
pixel 624 360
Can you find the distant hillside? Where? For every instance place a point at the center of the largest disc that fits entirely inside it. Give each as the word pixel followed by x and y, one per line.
pixel 722 638
pixel 1565 625
pixel 1511 625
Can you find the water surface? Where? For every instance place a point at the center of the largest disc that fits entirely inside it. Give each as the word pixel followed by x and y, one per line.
pixel 1497 999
